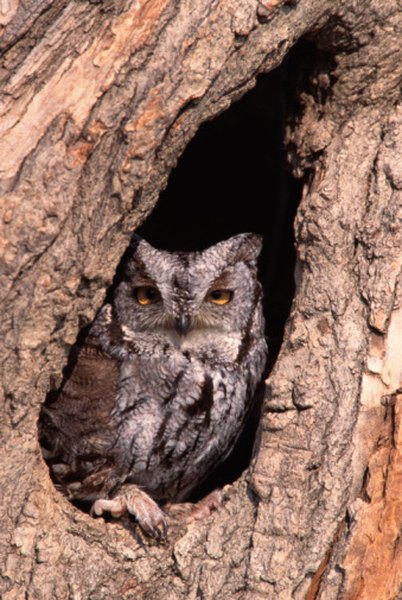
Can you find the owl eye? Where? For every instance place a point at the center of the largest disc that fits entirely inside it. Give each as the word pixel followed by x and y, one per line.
pixel 219 296
pixel 146 294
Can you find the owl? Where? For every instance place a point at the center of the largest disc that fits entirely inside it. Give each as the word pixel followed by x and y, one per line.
pixel 164 383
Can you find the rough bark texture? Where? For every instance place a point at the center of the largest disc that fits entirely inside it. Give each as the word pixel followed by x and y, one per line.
pixel 98 102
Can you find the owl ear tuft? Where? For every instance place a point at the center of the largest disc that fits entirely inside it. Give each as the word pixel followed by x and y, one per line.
pixel 138 243
pixel 244 247
pixel 140 248
pixel 138 254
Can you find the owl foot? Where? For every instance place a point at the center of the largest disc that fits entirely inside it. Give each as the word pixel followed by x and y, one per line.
pixel 134 501
pixel 203 508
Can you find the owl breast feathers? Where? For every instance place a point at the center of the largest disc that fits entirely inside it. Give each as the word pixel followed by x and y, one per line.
pixel 164 383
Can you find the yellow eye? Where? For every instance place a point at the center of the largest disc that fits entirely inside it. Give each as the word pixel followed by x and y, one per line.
pixel 146 294
pixel 219 296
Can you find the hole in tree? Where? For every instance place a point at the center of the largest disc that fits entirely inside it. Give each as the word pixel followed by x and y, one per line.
pixel 233 178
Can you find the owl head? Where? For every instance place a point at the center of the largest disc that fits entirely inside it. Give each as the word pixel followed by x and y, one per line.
pixel 179 293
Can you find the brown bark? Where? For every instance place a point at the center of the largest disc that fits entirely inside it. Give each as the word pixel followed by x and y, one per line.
pixel 98 102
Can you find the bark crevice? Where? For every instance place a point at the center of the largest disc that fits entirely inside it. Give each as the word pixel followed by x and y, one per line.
pixel 81 170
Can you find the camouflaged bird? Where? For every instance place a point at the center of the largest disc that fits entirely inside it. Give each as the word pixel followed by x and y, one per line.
pixel 164 383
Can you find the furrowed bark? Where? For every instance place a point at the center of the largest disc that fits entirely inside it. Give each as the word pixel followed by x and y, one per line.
pixel 98 102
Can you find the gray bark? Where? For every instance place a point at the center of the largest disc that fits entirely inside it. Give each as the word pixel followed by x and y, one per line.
pixel 98 102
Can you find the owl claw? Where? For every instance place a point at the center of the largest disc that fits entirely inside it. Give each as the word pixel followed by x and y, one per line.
pixel 134 501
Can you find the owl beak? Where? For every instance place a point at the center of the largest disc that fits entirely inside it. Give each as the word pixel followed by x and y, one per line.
pixel 183 324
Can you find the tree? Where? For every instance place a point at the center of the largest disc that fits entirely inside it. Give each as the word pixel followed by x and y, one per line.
pixel 99 100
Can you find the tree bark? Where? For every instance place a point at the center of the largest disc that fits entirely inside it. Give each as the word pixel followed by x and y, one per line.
pixel 99 99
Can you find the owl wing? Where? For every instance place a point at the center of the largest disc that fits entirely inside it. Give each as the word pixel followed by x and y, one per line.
pixel 76 429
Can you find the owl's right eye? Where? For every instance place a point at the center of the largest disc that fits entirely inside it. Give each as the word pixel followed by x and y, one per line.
pixel 147 294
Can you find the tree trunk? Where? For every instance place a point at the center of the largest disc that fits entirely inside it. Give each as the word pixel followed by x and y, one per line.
pixel 99 100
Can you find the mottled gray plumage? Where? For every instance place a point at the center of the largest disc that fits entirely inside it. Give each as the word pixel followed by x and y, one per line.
pixel 164 383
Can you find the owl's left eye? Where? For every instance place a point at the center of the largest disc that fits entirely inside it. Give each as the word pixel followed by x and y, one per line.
pixel 147 294
pixel 219 296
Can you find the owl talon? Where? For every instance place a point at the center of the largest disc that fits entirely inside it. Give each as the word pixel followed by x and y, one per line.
pixel 134 501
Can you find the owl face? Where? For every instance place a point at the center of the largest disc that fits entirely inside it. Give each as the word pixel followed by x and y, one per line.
pixel 178 294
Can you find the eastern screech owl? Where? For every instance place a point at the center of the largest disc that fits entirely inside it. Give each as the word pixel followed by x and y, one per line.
pixel 164 383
